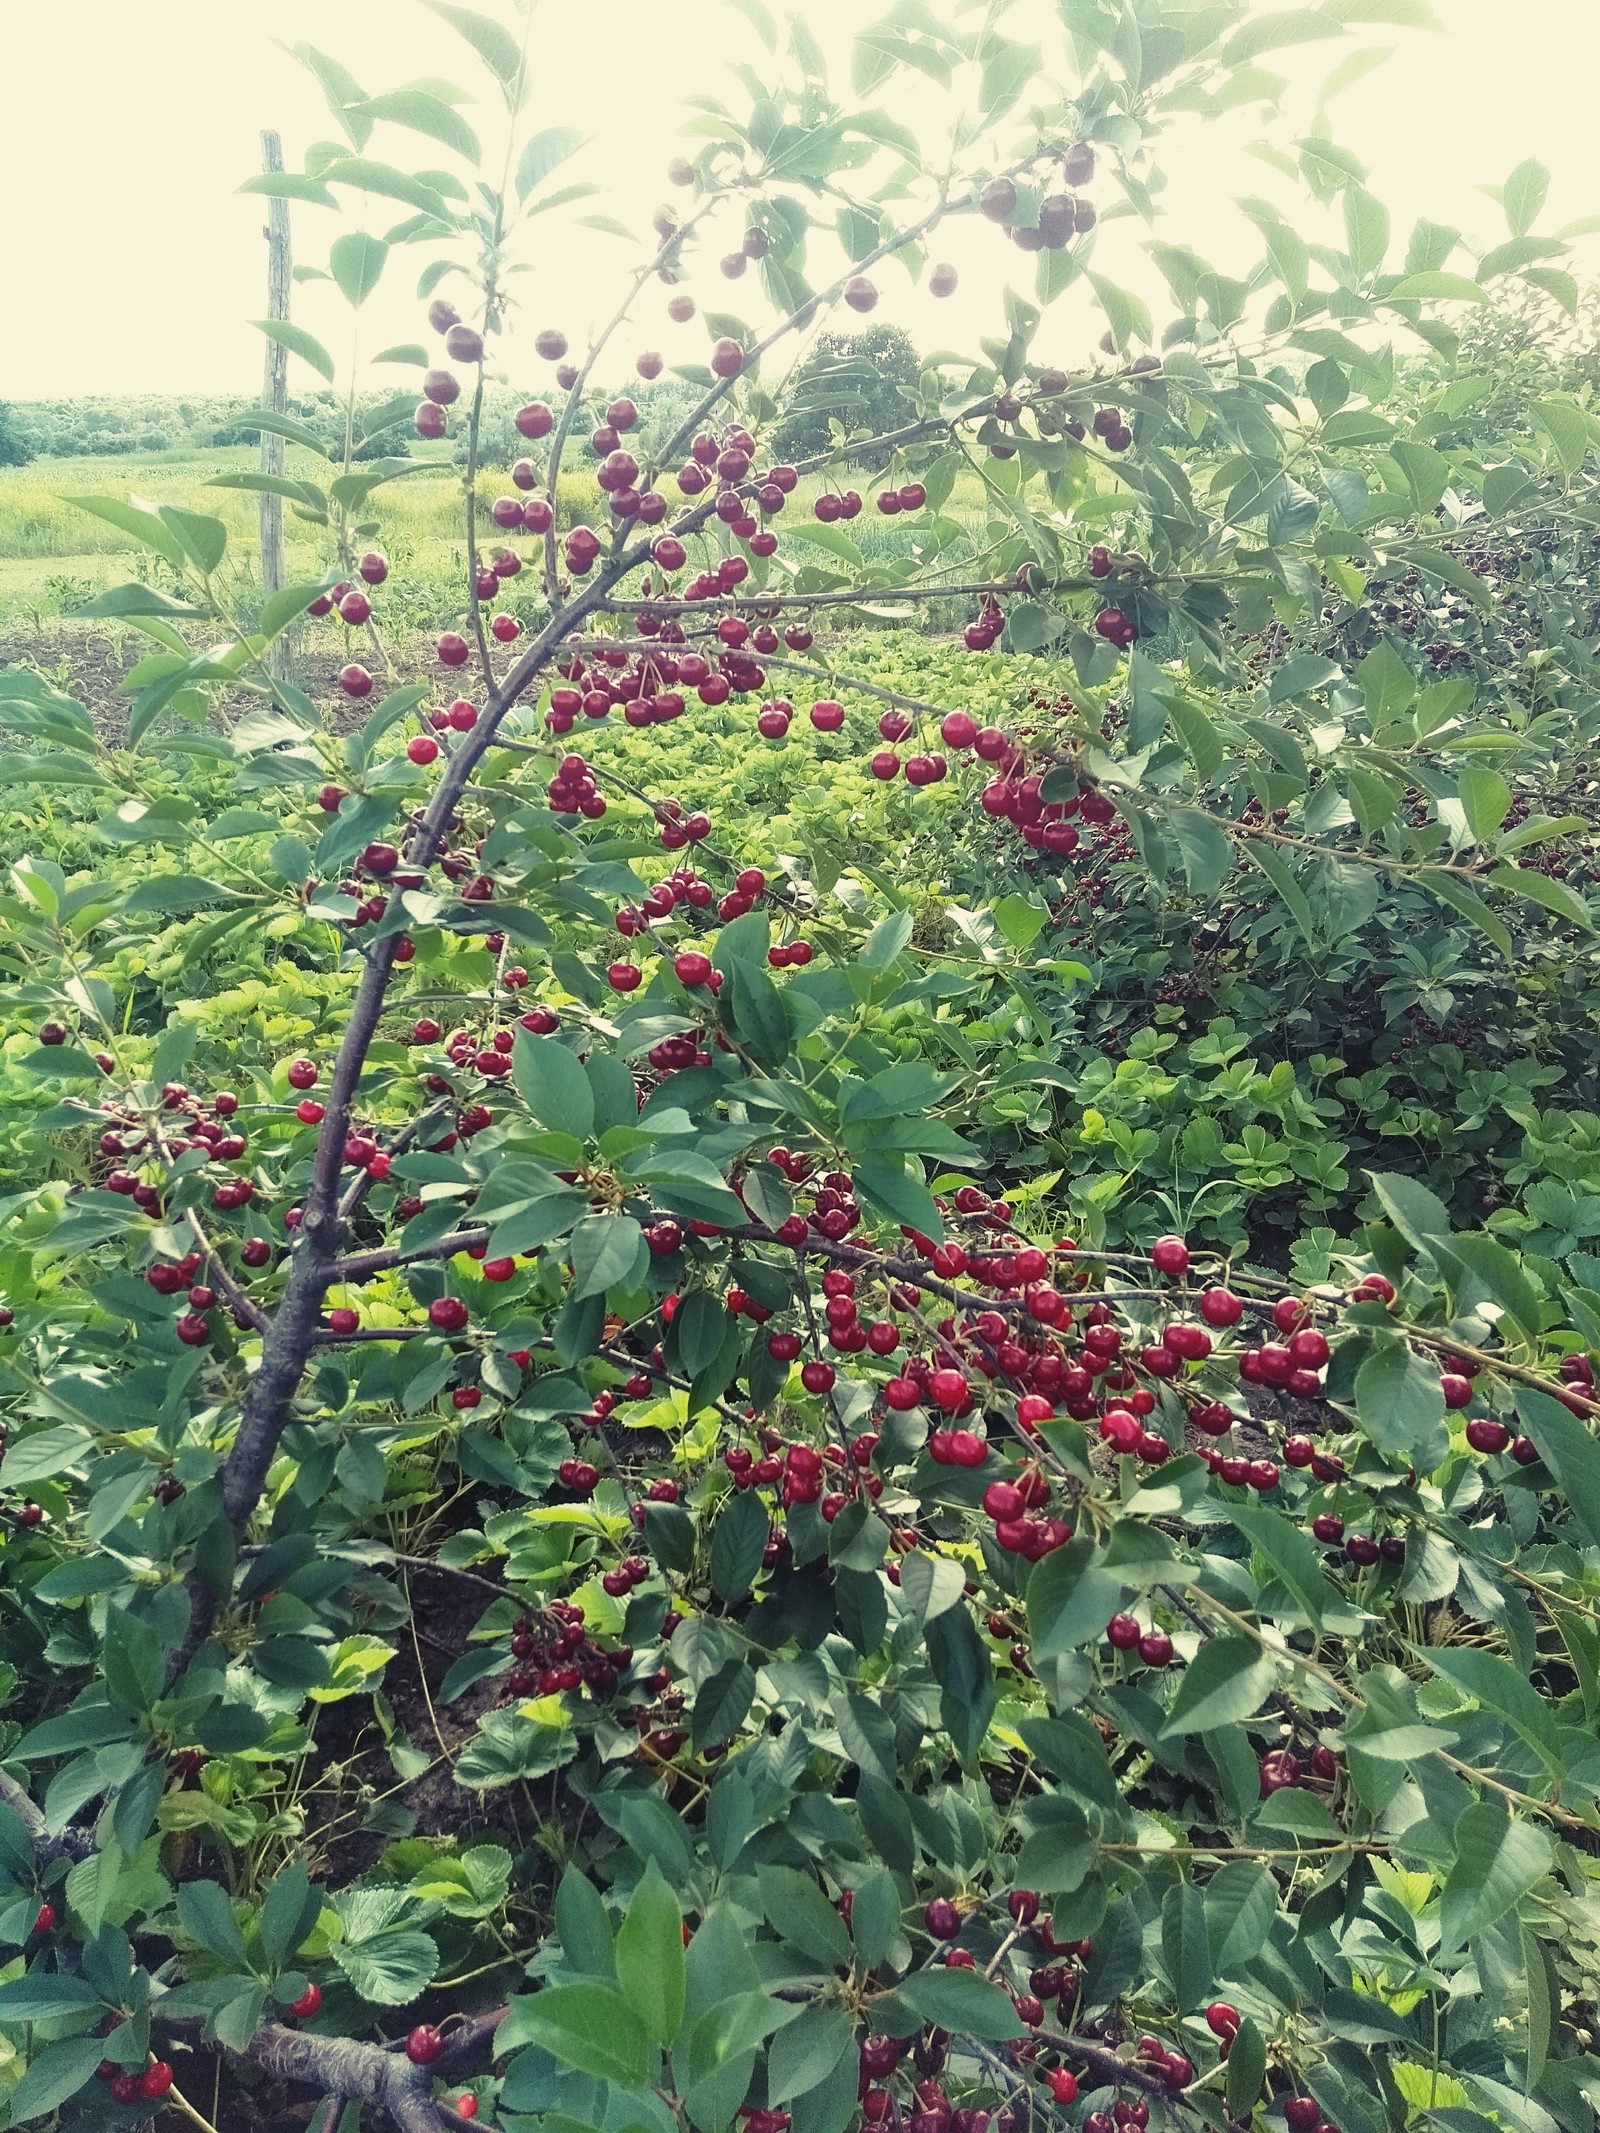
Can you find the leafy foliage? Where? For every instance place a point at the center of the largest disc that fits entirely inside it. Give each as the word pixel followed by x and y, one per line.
pixel 902 1661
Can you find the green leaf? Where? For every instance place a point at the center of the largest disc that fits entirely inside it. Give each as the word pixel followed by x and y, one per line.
pixel 1276 869
pixel 47 1452
pixel 1496 1685
pixel 283 1923
pixel 1540 889
pixel 491 40
pixel 898 1194
pixel 1303 672
pixel 1206 848
pixel 1568 428
pixel 931 1584
pixel 551 1082
pixel 206 1915
pixel 1497 1862
pixel 1400 1407
pixel 1227 1680
pixel 798 1911
pixel 962 2001
pixel 1570 1449
pixel 369 176
pixel 287 605
pixel 722 1704
pixel 357 261
pixel 391 1968
pixel 650 1956
pixel 1247 2071
pixel 608 1252
pixel 1436 286
pixel 875 1916
pixel 54 2074
pixel 1075 1590
pixel 1524 194
pixel 1485 799
pixel 738 1540
pixel 591 2028
pixel 1290 1552
pixel 423 112
pixel 804 2053
pixel 44 1996
pixel 298 342
pixel 133 1663
pixel 1451 890
pixel 1185 1949
pixel 545 152
pixel 584 1927
pixel 1241 1903
pixel 129 600
pixel 141 521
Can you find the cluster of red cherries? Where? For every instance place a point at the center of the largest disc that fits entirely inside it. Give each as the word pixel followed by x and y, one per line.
pixel 553 1654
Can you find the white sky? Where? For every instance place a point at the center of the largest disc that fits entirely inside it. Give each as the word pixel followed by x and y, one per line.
pixel 132 265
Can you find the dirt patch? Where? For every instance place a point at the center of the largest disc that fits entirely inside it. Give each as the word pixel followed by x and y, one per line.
pixel 91 662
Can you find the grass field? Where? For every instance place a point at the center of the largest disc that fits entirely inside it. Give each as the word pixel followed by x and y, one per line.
pixel 53 556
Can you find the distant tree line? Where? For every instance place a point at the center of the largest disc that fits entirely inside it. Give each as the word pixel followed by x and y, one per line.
pixel 865 381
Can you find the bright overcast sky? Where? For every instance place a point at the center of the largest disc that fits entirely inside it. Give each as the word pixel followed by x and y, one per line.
pixel 132 264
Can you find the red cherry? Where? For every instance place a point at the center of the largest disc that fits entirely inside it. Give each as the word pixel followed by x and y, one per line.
pixel 624 977
pixel 155 2081
pixel 355 681
pixel 425 2043
pixel 1170 1255
pixel 422 748
pixel 1222 2019
pixel 45 1920
pixel 448 1313
pixel 1487 1435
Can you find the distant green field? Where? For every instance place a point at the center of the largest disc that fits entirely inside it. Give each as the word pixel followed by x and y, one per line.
pixel 53 555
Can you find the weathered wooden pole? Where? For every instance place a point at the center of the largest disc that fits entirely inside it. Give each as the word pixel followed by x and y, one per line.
pixel 274 395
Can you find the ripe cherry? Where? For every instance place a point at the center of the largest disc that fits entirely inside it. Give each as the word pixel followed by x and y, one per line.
pixel 425 2043
pixel 1170 1255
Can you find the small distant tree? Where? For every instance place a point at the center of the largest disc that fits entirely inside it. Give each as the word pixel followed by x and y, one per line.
pixel 866 380
pixel 15 450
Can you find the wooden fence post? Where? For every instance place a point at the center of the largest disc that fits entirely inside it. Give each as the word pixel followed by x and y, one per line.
pixel 274 396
